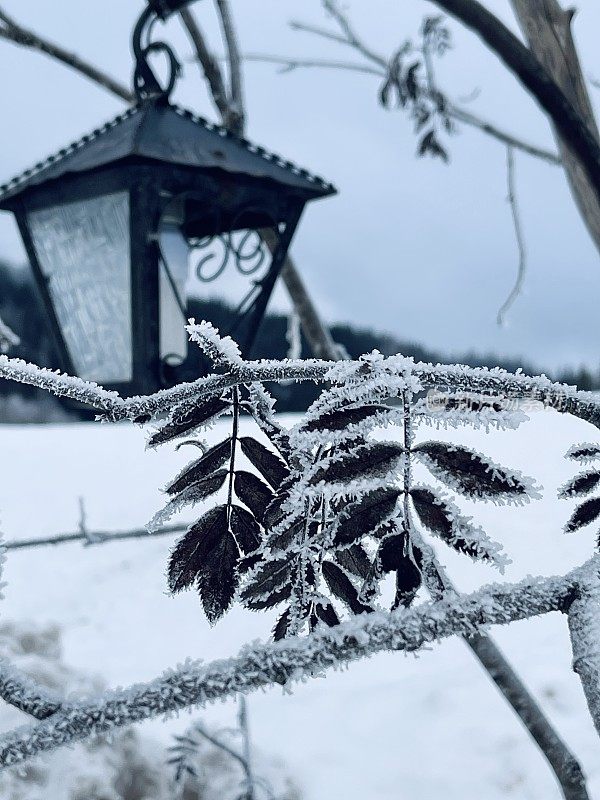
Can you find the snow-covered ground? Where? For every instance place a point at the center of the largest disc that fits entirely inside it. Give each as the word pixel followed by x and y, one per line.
pixel 391 727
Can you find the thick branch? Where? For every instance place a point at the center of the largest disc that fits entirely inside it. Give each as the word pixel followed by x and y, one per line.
pixel 454 377
pixel 584 625
pixel 526 67
pixel 18 34
pixel 547 29
pixel 261 665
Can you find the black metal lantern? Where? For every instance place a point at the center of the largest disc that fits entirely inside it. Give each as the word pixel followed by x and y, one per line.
pixel 109 223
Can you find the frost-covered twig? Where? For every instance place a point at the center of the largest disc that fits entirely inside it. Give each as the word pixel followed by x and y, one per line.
pixel 93 537
pixel 452 377
pixel 20 691
pixel 291 660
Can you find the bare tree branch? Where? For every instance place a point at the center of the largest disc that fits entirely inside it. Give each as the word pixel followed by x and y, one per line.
pixel 14 32
pixel 289 64
pixel 455 111
pixel 209 64
pixel 92 537
pixel 516 218
pixel 236 95
pixel 351 36
pixel 547 29
pixel 530 72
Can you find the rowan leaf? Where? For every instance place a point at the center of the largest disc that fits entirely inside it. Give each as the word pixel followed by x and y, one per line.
pixel 585 513
pixel 342 587
pixel 470 473
pixel 253 492
pixel 368 461
pixel 580 485
pixel 268 463
pixel 201 467
pixel 363 517
pixel 185 418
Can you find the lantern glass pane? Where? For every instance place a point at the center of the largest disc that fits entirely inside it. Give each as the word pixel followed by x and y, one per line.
pixel 173 275
pixel 83 251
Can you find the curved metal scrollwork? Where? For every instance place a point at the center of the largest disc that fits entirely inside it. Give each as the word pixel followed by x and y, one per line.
pixel 145 83
pixel 243 247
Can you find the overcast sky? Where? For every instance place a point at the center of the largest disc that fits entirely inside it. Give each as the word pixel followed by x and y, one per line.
pixel 411 246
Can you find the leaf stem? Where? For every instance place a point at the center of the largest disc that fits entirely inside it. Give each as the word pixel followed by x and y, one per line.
pixel 234 438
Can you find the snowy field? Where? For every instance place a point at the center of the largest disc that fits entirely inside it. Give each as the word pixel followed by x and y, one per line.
pixel 401 727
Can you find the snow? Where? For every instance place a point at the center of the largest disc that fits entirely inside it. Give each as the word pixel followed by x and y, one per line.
pixel 390 727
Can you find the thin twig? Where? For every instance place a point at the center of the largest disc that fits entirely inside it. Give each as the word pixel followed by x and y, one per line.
pixel 18 34
pixel 516 218
pixel 289 64
pixel 92 537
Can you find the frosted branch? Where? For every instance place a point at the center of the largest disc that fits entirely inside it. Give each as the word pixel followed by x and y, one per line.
pixel 584 626
pixel 290 660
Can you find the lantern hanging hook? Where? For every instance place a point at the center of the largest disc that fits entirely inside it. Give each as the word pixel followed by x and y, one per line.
pixel 145 83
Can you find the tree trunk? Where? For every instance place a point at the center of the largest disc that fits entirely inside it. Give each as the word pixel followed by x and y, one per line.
pixel 547 28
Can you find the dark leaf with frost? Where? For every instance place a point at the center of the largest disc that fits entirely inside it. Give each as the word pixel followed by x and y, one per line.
pixel 192 494
pixel 245 529
pixel 253 492
pixel 443 520
pixel 201 467
pixel 274 513
pixel 584 452
pixel 467 472
pixel 397 555
pixel 269 585
pixel 580 485
pixel 207 555
pixel 369 461
pixel 326 613
pixel 284 537
pixel 340 418
pixel 268 463
pixel 354 560
pixel 587 512
pixel 342 587
pixel 281 626
pixel 362 518
pixel 184 562
pixel 185 418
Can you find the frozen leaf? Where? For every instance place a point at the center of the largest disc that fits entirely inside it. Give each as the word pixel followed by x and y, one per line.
pixel 245 529
pixel 185 418
pixel 354 560
pixel 580 485
pixel 268 463
pixel 191 495
pixel 281 626
pixel 342 587
pixel 584 453
pixel 201 467
pixel 585 513
pixel 368 461
pixel 269 585
pixel 362 518
pixel 470 473
pixel 343 417
pixel 326 613
pixel 253 492
pixel 444 520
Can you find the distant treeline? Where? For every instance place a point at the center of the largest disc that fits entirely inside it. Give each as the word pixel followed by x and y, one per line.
pixel 21 308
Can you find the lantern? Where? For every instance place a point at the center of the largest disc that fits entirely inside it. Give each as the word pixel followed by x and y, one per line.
pixel 111 222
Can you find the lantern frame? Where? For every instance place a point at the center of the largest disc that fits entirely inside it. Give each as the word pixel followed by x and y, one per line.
pixel 157 152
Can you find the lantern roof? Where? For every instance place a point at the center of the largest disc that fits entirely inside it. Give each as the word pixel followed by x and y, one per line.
pixel 162 132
